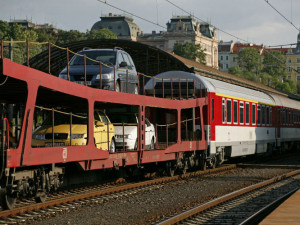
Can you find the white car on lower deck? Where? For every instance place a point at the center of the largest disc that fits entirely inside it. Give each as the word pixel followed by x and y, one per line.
pixel 126 135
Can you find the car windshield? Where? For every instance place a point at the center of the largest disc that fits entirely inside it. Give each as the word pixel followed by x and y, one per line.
pixel 59 118
pixel 126 119
pixel 106 57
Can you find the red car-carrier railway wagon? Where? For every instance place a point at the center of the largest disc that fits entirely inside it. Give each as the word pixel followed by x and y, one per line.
pixel 198 121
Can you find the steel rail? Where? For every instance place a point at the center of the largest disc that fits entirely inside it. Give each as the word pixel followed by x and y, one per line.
pixel 262 213
pixel 97 193
pixel 189 213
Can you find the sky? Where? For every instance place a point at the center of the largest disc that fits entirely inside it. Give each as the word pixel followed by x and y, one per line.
pixel 251 20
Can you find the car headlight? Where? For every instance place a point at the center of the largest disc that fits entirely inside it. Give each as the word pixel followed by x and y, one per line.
pixel 105 76
pixel 63 76
pixel 38 136
pixel 77 136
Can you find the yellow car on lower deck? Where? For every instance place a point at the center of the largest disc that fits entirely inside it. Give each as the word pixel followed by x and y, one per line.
pixel 64 132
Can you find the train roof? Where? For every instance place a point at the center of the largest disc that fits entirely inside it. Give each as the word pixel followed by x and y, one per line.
pixel 226 89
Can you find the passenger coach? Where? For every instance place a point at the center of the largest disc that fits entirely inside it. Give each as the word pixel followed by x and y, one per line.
pixel 239 121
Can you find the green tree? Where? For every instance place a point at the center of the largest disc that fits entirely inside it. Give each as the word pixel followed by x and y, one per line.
pixel 69 36
pixel 101 34
pixel 190 51
pixel 274 64
pixel 249 60
pixel 4 30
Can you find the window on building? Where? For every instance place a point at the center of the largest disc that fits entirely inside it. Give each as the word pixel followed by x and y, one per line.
pixel 223 110
pixel 221 57
pixel 226 66
pixel 235 111
pixel 228 110
pixel 298 69
pixel 253 113
pixel 289 60
pixel 241 112
pixel 298 78
pixel 258 115
pixel 298 60
pixel 247 113
pixel 226 57
pixel 290 69
pixel 221 65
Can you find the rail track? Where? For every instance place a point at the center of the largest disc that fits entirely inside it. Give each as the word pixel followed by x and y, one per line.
pixel 67 200
pixel 245 206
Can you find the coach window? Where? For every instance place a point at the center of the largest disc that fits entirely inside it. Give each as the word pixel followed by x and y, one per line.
pixel 235 111
pixel 212 109
pixel 228 110
pixel 268 115
pixel 263 115
pixel 223 110
pixel 253 114
pixel 258 115
pixel 241 112
pixel 247 113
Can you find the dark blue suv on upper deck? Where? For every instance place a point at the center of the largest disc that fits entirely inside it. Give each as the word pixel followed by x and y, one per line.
pixel 111 58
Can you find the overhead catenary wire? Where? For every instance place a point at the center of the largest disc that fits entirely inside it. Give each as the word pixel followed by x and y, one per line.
pixel 290 22
pixel 225 32
pixel 267 50
pixel 132 14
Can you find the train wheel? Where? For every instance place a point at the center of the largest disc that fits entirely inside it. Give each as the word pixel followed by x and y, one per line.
pixel 170 169
pixel 40 197
pixel 202 164
pixel 7 201
pixel 185 167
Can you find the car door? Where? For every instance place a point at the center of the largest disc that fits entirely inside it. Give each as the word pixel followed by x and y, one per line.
pixel 97 130
pixel 107 131
pixel 132 76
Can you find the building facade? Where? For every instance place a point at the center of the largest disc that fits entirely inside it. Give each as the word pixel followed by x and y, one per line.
pixel 228 56
pixel 121 25
pixel 293 61
pixel 186 29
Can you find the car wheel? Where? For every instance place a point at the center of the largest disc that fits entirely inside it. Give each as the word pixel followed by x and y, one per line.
pixel 136 90
pixel 118 89
pixel 152 144
pixel 112 148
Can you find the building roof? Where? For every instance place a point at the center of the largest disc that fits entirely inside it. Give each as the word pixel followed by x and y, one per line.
pixel 237 47
pixel 119 24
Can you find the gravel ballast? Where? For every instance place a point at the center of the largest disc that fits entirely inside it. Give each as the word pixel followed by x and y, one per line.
pixel 161 201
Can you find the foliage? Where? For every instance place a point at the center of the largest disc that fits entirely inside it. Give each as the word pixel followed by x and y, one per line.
pixel 101 34
pixel 274 64
pixel 18 33
pixel 269 72
pixel 249 60
pixel 190 51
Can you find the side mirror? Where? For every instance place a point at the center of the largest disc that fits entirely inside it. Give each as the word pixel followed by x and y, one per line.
pixel 99 124
pixel 123 64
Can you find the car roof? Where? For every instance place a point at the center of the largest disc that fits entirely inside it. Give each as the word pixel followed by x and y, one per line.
pixel 97 49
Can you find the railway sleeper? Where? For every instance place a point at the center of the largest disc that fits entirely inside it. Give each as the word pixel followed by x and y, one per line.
pixel 35 183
